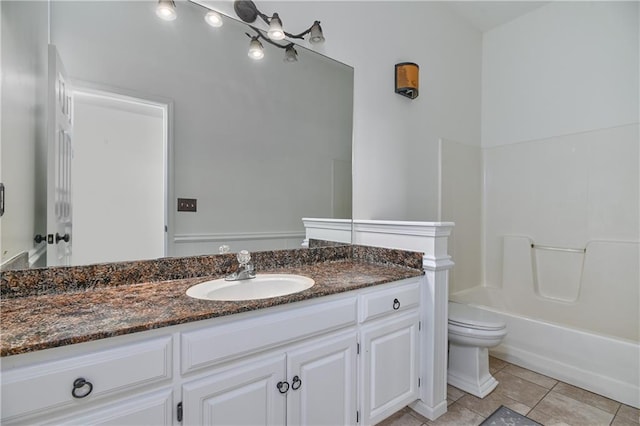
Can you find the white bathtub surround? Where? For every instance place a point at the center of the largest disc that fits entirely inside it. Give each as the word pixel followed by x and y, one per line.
pixel 578 325
pixel 557 166
pixel 601 296
pixel 431 238
pixel 564 191
pixel 604 365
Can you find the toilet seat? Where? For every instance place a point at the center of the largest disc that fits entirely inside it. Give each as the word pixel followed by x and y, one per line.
pixel 467 317
pixel 476 337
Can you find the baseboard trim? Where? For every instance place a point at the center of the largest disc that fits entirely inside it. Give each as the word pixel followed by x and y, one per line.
pixel 430 413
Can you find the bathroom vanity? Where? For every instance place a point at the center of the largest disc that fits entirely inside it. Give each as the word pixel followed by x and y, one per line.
pixel 281 365
pixel 350 342
pixel 364 340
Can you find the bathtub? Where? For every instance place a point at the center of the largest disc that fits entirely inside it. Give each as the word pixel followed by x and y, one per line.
pixel 586 333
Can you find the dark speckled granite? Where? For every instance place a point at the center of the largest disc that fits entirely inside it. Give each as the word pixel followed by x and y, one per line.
pixel 42 281
pixel 53 307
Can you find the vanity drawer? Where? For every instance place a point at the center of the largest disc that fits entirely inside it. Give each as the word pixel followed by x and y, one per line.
pixel 212 345
pixel 390 300
pixel 31 389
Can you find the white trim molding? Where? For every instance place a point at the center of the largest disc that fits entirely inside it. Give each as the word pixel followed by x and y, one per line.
pixel 430 238
pixel 204 244
pixel 239 236
pixel 338 230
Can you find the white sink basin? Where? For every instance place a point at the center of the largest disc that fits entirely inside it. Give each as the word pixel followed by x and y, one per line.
pixel 263 286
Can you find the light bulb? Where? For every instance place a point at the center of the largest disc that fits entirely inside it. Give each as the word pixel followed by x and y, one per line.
pixel 290 54
pixel 166 10
pixel 275 31
pixel 213 18
pixel 255 49
pixel 316 33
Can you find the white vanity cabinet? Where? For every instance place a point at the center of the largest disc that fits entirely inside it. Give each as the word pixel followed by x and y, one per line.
pixel 282 367
pixel 389 371
pixel 312 383
pixel 323 381
pixel 245 394
pixel 97 383
pixel 344 359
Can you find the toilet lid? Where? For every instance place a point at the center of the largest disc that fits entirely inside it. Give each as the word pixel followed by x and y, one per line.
pixel 470 317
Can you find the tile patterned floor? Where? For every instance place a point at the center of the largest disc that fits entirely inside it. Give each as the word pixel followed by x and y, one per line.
pixel 538 397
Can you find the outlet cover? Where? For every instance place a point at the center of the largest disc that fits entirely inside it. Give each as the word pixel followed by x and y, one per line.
pixel 187 204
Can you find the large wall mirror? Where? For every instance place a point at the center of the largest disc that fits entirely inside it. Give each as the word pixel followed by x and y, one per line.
pixel 163 111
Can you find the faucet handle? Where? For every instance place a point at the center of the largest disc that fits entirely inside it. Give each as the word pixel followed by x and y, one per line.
pixel 244 257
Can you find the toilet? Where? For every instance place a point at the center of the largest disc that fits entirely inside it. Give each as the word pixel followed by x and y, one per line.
pixel 471 333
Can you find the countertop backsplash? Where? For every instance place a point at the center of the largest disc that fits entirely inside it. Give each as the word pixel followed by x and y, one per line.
pixel 41 281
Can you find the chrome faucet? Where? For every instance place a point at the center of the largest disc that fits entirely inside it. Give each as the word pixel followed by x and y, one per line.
pixel 245 270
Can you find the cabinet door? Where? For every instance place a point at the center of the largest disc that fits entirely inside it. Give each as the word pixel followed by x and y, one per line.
pixel 246 394
pixel 389 366
pixel 322 375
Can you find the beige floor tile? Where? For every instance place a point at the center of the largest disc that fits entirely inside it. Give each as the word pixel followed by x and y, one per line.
pixel 518 389
pixel 496 364
pixel 490 403
pixel 531 376
pixel 621 421
pixel 629 413
pixel 417 415
pixel 457 415
pixel 556 408
pixel 587 397
pixel 454 394
pixel 401 418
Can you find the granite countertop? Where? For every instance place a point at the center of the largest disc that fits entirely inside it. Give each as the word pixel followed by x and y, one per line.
pixel 36 322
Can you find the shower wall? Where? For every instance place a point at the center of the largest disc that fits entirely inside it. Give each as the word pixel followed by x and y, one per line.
pixel 566 192
pixel 560 131
pixel 559 156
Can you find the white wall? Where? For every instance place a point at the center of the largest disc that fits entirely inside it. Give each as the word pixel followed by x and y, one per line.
pixel 560 128
pixel 24 80
pixel 461 202
pixel 395 138
pixel 567 67
pixel 117 175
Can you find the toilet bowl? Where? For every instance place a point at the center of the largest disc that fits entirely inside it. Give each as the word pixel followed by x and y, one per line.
pixel 471 333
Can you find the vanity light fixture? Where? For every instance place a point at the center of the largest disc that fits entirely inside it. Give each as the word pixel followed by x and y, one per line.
pixel 407 79
pixel 256 51
pixel 248 12
pixel 316 35
pixel 275 28
pixel 166 9
pixel 213 18
pixel 290 54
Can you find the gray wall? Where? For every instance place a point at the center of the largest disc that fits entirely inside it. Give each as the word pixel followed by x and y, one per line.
pixel 255 142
